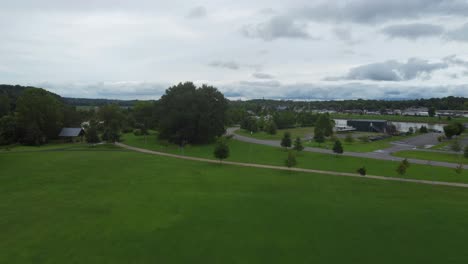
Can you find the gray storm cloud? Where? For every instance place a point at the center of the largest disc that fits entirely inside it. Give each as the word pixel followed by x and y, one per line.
pixel 393 70
pixel 413 31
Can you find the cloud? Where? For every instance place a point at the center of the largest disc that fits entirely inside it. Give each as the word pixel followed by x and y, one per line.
pixel 393 70
pixel 413 31
pixel 454 60
pixel 378 11
pixel 232 65
pixel 277 27
pixel 197 12
pixel 260 75
pixel 459 34
pixel 335 91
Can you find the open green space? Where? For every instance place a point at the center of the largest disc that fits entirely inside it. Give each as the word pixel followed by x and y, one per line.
pixel 254 153
pixel 358 145
pixel 399 118
pixel 295 132
pixel 433 156
pixel 124 207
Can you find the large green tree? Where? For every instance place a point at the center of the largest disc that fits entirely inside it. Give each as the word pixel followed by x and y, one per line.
pixel 4 105
pixel 191 115
pixel 7 130
pixel 40 116
pixel 325 125
pixel 112 118
pixel 144 115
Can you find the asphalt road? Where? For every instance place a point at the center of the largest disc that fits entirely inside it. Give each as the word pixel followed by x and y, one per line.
pixel 385 154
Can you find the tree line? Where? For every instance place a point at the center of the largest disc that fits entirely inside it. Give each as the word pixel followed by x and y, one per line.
pixel 184 114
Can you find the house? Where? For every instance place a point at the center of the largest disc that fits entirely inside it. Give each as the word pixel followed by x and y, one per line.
pixel 71 133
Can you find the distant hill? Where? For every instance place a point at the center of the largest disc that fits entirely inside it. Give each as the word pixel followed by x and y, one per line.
pixel 14 91
pixel 97 102
pixel 446 103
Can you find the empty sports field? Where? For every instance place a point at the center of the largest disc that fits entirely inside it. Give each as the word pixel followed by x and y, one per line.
pixel 95 205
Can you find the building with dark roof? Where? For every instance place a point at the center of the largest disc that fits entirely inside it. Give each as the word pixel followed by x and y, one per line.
pixel 71 133
pixel 364 125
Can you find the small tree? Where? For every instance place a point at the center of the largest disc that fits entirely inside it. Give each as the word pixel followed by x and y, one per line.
pixel 362 171
pixel 455 146
pixel 401 169
pixel 286 140
pixel 423 130
pixel 338 147
pixel 411 130
pixel 406 163
pixel 298 144
pixel 319 137
pixel 291 160
pixel 459 168
pixel 465 152
pixel 349 138
pixel 221 150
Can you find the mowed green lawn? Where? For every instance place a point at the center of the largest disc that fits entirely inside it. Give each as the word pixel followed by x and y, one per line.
pixel 433 156
pixel 254 153
pixel 357 145
pixel 295 132
pixel 90 206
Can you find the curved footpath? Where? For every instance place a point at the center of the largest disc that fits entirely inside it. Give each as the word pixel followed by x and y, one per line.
pixel 254 165
pixel 380 155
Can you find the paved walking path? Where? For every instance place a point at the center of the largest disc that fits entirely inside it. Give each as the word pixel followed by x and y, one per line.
pixel 380 155
pixel 254 165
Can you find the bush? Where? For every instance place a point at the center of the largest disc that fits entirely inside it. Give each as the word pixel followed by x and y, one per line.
pixel 362 171
pixel 291 160
pixel 459 168
pixel 364 138
pixel 406 163
pixel 298 144
pixel 286 140
pixel 423 130
pixel 221 149
pixel 455 146
pixel 137 132
pixel 401 169
pixel 338 147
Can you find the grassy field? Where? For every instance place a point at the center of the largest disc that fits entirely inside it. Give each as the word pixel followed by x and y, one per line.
pixel 398 118
pixel 84 206
pixel 357 145
pixel 434 156
pixel 253 153
pixel 295 132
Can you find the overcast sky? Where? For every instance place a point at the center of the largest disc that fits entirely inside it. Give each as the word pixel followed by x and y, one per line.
pixel 248 49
